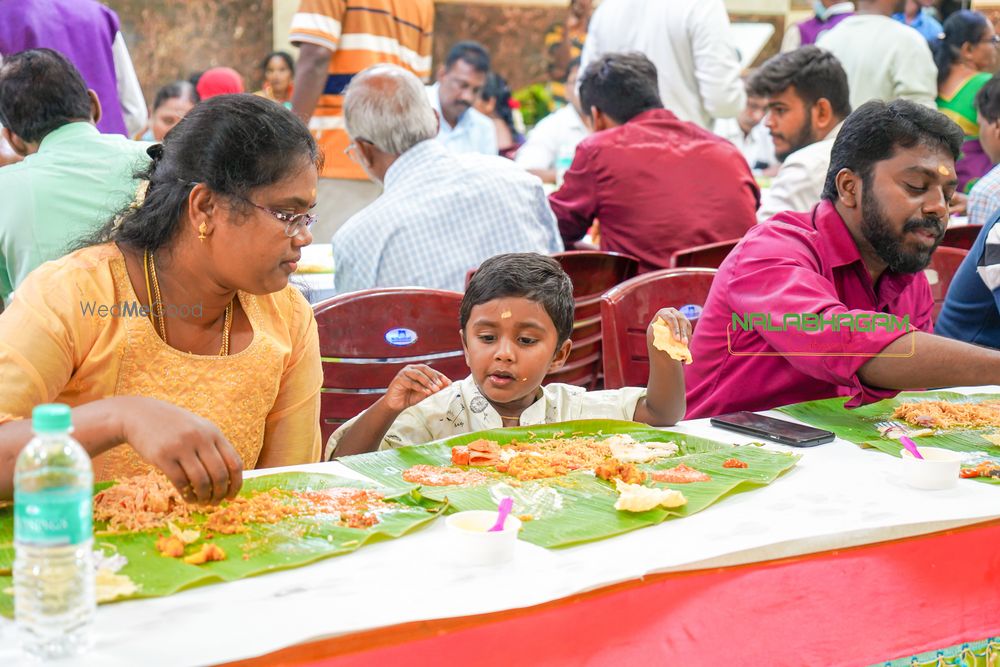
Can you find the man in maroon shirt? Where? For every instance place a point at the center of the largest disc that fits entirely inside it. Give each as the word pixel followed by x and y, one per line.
pixel 834 302
pixel 657 184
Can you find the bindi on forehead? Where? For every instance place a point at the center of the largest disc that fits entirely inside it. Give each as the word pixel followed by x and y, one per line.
pixel 943 170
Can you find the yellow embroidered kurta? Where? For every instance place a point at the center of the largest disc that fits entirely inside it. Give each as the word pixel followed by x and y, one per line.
pixel 55 346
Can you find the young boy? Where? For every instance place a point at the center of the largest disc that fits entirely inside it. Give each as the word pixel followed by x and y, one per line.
pixel 516 319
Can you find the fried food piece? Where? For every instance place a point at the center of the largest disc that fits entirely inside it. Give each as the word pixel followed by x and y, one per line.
pixel 663 339
pixel 638 498
pixel 615 469
pixel 209 552
pixel 484 452
pixel 170 546
pixel 735 463
pixel 460 455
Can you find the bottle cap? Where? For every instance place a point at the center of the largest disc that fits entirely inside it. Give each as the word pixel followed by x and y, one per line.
pixel 51 418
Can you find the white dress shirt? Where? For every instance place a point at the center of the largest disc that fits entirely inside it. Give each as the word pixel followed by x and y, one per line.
pixel 474 132
pixel 799 183
pixel 556 134
pixel 440 215
pixel 690 43
pixel 884 60
pixel 757 146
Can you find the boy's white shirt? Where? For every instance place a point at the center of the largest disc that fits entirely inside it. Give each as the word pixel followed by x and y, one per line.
pixel 461 408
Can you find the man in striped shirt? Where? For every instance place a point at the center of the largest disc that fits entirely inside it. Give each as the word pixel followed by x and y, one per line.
pixel 971 311
pixel 336 40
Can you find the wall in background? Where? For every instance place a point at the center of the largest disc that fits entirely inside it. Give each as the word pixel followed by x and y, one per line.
pixel 172 39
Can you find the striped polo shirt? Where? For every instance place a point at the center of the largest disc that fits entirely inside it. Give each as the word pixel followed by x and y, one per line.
pixel 360 33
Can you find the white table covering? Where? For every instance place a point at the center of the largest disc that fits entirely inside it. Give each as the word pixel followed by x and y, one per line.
pixel 838 496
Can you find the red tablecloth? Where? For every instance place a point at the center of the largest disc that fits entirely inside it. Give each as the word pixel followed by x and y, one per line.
pixel 853 607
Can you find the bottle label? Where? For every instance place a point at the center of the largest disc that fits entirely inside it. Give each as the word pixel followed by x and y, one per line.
pixel 53 517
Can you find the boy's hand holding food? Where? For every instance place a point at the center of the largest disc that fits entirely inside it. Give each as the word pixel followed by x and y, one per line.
pixel 670 332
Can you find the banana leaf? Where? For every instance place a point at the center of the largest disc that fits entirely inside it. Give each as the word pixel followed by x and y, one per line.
pixel 269 547
pixel 579 507
pixel 858 425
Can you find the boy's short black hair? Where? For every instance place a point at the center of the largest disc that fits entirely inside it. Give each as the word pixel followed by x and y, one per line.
pixel 988 99
pixel 40 91
pixel 815 73
pixel 523 274
pixel 472 53
pixel 620 85
pixel 876 129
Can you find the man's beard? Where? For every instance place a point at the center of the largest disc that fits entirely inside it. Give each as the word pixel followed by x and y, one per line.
pixel 800 140
pixel 890 248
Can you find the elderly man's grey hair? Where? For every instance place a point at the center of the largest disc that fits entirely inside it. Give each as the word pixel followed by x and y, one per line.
pixel 388 106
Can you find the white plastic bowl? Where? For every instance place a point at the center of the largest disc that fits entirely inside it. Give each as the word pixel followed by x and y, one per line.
pixel 937 470
pixel 472 544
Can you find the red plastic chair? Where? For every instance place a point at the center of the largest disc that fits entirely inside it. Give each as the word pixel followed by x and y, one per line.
pixel 627 310
pixel 944 264
pixel 961 237
pixel 709 255
pixel 366 337
pixel 593 273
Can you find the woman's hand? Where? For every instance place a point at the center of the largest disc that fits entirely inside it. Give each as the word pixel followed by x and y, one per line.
pixel 190 450
pixel 411 385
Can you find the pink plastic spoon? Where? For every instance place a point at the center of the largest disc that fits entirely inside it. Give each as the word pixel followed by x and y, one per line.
pixel 506 505
pixel 911 446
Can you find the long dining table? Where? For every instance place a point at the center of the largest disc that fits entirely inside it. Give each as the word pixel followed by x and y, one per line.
pixel 838 562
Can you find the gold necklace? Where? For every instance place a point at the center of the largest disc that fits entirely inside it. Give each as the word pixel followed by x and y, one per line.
pixel 150 270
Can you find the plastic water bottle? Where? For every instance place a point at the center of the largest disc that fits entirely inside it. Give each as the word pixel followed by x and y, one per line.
pixel 54 597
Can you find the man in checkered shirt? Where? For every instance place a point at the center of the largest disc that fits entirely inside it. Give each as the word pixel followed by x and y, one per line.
pixel 441 214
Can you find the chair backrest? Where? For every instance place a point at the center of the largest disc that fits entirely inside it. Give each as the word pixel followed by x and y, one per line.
pixel 593 273
pixel 961 237
pixel 627 310
pixel 366 337
pixel 944 264
pixel 709 255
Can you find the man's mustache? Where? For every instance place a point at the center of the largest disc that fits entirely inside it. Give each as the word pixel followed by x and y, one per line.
pixel 932 224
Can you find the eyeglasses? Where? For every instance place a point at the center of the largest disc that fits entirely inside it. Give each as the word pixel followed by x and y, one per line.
pixel 352 149
pixel 294 222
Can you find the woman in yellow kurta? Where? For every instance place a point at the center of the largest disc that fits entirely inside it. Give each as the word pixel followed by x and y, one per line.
pixel 225 373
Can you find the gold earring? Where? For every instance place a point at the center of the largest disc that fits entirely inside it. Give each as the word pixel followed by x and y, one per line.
pixel 202 228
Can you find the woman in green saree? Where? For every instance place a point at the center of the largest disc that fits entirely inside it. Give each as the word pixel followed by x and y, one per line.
pixel 966 56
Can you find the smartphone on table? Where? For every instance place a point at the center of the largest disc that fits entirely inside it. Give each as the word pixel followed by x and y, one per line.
pixel 778 430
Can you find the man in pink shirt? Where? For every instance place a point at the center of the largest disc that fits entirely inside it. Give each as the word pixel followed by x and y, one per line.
pixel 656 183
pixel 766 338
